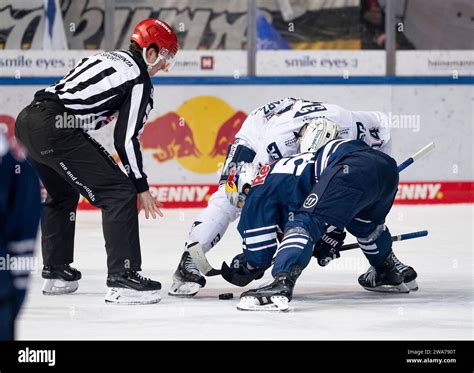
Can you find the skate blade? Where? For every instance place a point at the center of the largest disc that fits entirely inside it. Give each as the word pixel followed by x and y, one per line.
pixel 59 287
pixel 276 303
pixel 401 288
pixel 131 297
pixel 184 289
pixel 412 285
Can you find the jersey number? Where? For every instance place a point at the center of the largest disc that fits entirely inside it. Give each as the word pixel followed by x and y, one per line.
pixel 360 131
pixel 293 165
pixel 268 110
pixel 311 108
pixel 373 132
pixel 273 151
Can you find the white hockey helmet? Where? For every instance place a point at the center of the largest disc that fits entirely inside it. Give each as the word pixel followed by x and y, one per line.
pixel 239 183
pixel 318 133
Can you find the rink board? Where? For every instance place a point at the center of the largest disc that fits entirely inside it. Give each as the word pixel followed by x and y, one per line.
pixel 185 139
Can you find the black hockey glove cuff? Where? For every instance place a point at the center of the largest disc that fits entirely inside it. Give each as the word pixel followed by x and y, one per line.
pixel 327 248
pixel 238 273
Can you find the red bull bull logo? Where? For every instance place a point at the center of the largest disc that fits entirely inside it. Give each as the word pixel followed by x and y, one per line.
pixel 231 181
pixel 196 135
pixel 7 127
pixel 169 137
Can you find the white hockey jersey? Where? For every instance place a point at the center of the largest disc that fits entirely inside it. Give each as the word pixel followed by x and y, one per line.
pixel 271 130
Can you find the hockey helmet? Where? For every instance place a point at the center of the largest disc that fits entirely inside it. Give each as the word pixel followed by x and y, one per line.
pixel 318 133
pixel 156 31
pixel 239 183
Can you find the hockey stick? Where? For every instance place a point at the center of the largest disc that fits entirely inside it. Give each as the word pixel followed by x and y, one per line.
pixel 400 237
pixel 419 154
pixel 199 258
pixel 244 279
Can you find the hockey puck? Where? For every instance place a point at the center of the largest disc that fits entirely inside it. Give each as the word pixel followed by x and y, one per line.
pixel 226 296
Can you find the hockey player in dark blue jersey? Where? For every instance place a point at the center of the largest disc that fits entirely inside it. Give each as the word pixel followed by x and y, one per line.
pixel 312 198
pixel 20 208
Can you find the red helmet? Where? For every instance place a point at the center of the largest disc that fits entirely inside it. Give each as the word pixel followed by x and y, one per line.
pixel 156 31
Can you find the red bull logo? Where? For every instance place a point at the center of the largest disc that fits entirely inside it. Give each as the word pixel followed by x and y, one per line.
pixel 7 127
pixel 197 135
pixel 169 137
pixel 231 181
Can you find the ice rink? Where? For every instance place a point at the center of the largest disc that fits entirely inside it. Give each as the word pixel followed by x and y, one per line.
pixel 328 302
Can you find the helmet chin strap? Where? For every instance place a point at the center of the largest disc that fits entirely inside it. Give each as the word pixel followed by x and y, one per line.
pixel 150 65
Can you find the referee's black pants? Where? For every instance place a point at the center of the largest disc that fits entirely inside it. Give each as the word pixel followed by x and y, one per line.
pixel 70 162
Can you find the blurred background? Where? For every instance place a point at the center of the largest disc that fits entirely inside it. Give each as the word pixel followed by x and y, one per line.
pixel 242 24
pixel 224 25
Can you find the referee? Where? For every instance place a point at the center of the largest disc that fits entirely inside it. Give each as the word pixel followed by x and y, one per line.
pixel 69 162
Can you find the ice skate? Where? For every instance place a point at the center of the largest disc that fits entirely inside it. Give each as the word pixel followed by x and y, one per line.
pixel 386 278
pixel 132 288
pixel 409 274
pixel 60 279
pixel 187 280
pixel 273 297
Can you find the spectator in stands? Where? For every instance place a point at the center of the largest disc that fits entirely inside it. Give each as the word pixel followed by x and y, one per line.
pixel 373 25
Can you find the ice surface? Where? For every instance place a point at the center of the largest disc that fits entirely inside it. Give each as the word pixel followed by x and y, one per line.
pixel 328 302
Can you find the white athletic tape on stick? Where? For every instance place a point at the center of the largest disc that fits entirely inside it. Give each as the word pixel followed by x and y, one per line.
pixel 199 258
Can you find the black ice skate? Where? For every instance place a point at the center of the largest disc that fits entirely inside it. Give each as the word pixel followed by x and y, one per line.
pixel 273 297
pixel 60 279
pixel 385 278
pixel 132 288
pixel 409 274
pixel 187 280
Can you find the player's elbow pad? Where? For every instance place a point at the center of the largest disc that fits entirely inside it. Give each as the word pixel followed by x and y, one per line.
pixel 237 152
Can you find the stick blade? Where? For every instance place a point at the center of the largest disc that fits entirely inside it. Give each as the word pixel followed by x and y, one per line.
pixel 422 152
pixel 199 258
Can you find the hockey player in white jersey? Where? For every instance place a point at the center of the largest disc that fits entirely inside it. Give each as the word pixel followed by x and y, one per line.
pixel 269 133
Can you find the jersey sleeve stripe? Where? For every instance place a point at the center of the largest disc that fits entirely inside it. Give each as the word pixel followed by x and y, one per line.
pixel 89 82
pixel 266 231
pixel 82 62
pixel 18 247
pixel 68 79
pixel 260 238
pixel 370 252
pixel 290 246
pixel 137 94
pixel 80 106
pixel 272 246
pixel 261 243
pixel 274 227
pixel 20 282
pixel 301 240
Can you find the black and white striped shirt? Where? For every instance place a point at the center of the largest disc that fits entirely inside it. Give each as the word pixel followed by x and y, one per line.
pixel 102 87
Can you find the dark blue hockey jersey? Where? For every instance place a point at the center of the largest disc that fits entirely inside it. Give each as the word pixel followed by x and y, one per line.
pixel 279 190
pixel 20 209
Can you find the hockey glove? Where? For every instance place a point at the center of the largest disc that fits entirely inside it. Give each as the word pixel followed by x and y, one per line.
pixel 327 248
pixel 238 273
